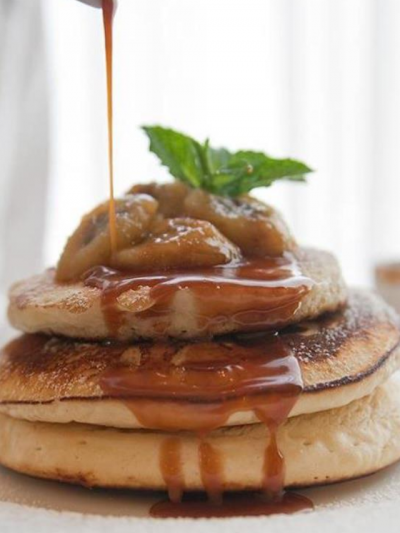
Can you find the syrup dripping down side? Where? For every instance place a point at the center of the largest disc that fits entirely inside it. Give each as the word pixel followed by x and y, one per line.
pixel 216 503
pixel 172 468
pixel 257 373
pixel 272 410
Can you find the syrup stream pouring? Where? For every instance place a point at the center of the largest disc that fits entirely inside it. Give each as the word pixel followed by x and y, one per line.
pixel 272 363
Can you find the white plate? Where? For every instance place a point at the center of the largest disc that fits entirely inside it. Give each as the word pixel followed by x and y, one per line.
pixel 31 505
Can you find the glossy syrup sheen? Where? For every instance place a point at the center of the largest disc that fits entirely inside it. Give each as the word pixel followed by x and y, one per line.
pixel 235 366
pixel 108 16
pixel 255 293
pixel 255 372
pixel 258 294
pixel 233 505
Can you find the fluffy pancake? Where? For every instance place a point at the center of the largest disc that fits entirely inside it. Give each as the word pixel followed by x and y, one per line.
pixel 325 447
pixel 342 356
pixel 41 305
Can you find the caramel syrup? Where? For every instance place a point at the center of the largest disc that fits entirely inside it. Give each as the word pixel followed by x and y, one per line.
pixel 108 16
pixel 256 294
pixel 171 468
pixel 211 471
pixel 202 397
pixel 234 505
pixel 256 372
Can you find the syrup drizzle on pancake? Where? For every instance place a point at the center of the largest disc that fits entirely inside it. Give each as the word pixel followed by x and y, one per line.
pixel 257 372
pixel 171 468
pixel 260 294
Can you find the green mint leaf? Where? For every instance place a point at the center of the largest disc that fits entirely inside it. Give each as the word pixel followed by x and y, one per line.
pixel 183 156
pixel 218 170
pixel 248 170
pixel 216 158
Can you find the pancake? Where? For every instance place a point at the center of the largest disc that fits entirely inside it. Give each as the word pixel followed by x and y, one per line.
pixel 342 357
pixel 326 447
pixel 42 305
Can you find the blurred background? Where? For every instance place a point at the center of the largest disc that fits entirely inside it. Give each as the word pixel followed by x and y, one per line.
pixel 314 79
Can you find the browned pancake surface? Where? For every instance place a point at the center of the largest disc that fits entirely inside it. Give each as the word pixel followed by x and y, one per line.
pixel 42 305
pixel 333 351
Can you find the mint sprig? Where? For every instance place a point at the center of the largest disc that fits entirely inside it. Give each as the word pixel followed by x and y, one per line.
pixel 218 170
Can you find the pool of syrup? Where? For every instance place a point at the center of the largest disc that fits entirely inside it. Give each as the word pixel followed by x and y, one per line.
pixel 233 505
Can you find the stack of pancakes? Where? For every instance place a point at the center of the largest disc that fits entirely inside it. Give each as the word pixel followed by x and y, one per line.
pixel 58 422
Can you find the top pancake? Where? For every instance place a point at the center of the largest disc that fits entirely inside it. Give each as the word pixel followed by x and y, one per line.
pixel 41 305
pixel 342 357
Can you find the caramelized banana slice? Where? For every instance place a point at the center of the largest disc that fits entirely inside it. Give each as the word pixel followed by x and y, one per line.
pixel 90 245
pixel 170 196
pixel 256 228
pixel 179 243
